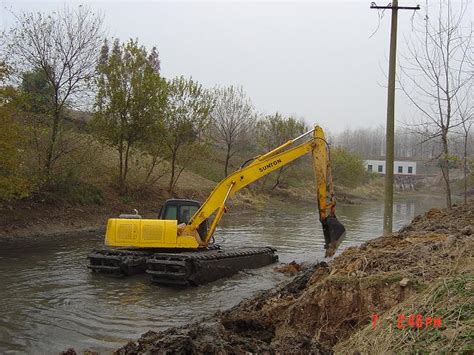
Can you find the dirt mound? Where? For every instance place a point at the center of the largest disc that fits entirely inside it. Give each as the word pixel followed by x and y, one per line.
pixel 449 300
pixel 291 268
pixel 458 220
pixel 326 305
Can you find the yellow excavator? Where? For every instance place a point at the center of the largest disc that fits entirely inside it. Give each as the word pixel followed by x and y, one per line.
pixel 175 248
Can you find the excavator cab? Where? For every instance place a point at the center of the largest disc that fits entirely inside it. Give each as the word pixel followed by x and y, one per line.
pixel 182 210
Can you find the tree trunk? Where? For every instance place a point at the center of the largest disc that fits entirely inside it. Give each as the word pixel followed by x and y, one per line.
pixel 465 166
pixel 173 169
pixel 52 142
pixel 125 167
pixel 177 177
pixel 227 159
pixel 120 149
pixel 445 168
pixel 277 182
pixel 152 167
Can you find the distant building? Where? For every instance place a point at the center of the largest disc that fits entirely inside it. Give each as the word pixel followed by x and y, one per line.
pixel 399 167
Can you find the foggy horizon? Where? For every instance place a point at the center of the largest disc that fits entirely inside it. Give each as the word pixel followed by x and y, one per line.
pixel 312 60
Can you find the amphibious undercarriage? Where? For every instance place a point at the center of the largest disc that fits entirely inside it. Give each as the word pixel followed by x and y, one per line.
pixel 184 268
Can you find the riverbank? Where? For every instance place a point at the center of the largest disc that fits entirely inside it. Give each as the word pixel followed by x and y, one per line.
pixel 43 218
pixel 360 301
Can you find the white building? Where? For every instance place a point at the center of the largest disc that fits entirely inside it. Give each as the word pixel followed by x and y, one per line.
pixel 399 167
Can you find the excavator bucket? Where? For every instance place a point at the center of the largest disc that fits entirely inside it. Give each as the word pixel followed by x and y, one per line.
pixel 334 233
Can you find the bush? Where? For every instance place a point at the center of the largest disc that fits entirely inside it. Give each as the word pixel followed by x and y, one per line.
pixel 14 182
pixel 347 168
pixel 68 188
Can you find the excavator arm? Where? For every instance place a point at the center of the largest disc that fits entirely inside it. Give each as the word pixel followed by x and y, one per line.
pixel 262 165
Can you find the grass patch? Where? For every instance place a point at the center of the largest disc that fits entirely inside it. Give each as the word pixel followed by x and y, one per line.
pixel 450 299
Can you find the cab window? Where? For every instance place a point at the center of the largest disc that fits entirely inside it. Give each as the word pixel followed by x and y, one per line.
pixel 171 212
pixel 187 212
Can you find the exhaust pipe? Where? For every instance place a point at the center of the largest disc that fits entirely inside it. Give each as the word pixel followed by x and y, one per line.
pixel 334 232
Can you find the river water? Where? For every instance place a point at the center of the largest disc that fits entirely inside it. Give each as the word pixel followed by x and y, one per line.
pixel 50 301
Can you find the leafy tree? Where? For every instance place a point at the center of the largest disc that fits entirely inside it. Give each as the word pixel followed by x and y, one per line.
pixel 274 130
pixel 187 116
pixel 38 92
pixel 152 152
pixel 130 100
pixel 347 168
pixel 13 182
pixel 232 118
pixel 63 47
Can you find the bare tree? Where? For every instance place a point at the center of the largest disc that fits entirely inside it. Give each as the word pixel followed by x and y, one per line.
pixel 64 46
pixel 368 142
pixel 466 126
pixel 434 74
pixel 232 117
pixel 466 112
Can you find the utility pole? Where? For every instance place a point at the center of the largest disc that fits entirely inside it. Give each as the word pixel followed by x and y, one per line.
pixel 390 129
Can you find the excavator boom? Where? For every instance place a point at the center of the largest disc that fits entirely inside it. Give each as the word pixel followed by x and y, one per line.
pixel 184 233
pixel 262 165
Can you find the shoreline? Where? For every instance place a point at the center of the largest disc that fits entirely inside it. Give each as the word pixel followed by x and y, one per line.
pixel 53 233
pixel 36 220
pixel 42 220
pixel 426 268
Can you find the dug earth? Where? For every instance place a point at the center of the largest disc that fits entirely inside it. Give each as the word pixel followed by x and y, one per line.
pixel 426 269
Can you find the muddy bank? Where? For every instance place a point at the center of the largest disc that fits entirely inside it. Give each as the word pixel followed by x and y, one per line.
pixel 330 307
pixel 31 219
pixel 42 219
pixel 37 218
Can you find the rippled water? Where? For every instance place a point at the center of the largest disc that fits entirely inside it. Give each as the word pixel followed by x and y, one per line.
pixel 49 300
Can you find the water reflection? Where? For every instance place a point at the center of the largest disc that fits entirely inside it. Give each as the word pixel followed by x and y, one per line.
pixel 51 302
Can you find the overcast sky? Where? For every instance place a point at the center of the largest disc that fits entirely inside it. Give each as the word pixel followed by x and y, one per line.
pixel 309 59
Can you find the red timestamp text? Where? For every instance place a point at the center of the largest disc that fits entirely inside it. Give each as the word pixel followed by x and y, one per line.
pixel 417 321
